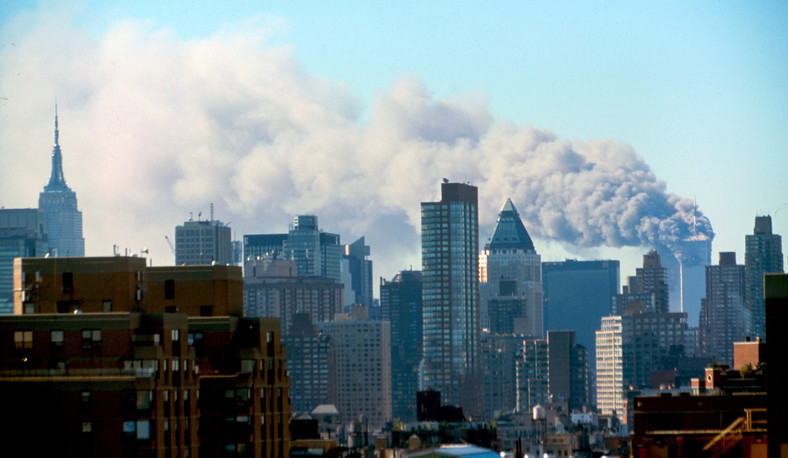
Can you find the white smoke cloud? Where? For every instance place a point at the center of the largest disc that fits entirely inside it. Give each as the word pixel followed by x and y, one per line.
pixel 153 128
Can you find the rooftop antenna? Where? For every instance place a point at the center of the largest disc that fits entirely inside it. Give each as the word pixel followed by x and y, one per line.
pixel 694 214
pixel 211 211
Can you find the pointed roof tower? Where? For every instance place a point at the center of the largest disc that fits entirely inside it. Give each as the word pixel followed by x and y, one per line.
pixel 57 182
pixel 509 231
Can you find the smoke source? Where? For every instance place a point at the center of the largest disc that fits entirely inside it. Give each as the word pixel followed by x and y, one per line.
pixel 153 128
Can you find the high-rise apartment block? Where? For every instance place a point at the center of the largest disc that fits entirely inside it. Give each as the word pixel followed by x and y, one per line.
pixel 309 365
pixel 532 374
pixel 362 368
pixel 22 234
pixel 108 357
pixel 520 372
pixel 203 242
pixel 511 278
pixel 273 288
pixel 450 294
pixel 400 303
pixel 724 318
pixel 568 371
pixel 577 294
pixel 763 255
pixel 59 204
pixel 610 365
pixel 499 358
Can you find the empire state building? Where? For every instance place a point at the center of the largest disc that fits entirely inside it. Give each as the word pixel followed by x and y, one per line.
pixel 59 203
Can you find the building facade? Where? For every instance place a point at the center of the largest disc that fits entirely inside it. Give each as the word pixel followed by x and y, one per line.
pixel 358 266
pixel 309 363
pixel 723 315
pixel 203 242
pixel 59 204
pixel 450 294
pixel 362 369
pixel 610 365
pixel 532 374
pixel 22 234
pixel 273 288
pixel 568 372
pixel 577 294
pixel 400 303
pixel 108 362
pixel 763 255
pixel 511 278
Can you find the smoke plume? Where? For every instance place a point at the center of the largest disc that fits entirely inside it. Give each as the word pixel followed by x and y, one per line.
pixel 153 128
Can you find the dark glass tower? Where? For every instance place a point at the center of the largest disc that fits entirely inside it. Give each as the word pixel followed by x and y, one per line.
pixel 450 295
pixel 59 204
pixel 763 255
pixel 400 303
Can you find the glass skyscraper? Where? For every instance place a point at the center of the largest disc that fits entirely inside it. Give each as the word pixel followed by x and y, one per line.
pixel 450 294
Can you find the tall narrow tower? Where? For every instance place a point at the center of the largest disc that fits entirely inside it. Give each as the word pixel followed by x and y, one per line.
pixel 59 204
pixel 763 255
pixel 450 294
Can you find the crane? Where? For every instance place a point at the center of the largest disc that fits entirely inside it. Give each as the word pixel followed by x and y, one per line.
pixel 172 248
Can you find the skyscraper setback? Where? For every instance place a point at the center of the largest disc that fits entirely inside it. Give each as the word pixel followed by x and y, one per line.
pixel 59 204
pixel 450 295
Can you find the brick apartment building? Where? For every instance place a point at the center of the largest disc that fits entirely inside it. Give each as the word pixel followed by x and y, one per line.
pixel 107 357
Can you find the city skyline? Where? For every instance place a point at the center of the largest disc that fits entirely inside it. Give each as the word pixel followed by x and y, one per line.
pixel 163 111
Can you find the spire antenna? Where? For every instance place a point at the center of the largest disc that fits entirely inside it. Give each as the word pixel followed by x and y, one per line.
pixel 57 132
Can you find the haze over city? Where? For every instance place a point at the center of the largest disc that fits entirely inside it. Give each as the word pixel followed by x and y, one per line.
pixel 603 122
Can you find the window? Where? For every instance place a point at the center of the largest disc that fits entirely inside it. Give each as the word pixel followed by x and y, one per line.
pixel 143 399
pixel 176 335
pixel 87 427
pixel 91 338
pixel 30 308
pixel 23 340
pixel 107 306
pixel 129 427
pixel 169 289
pixel 57 338
pixel 68 282
pixel 206 310
pixel 143 429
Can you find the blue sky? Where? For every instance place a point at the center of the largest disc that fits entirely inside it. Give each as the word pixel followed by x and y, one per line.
pixel 696 89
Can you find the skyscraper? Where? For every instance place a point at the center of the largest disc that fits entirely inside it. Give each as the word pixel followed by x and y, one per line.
pixel 315 252
pixel 567 372
pixel 59 204
pixel 450 295
pixel 763 254
pixel 400 303
pixel 356 264
pixel 686 266
pixel 22 235
pixel 362 362
pixel 203 242
pixel 511 277
pixel 723 317
pixel 577 294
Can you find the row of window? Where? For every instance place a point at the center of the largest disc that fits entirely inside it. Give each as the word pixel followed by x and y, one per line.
pixel 91 338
